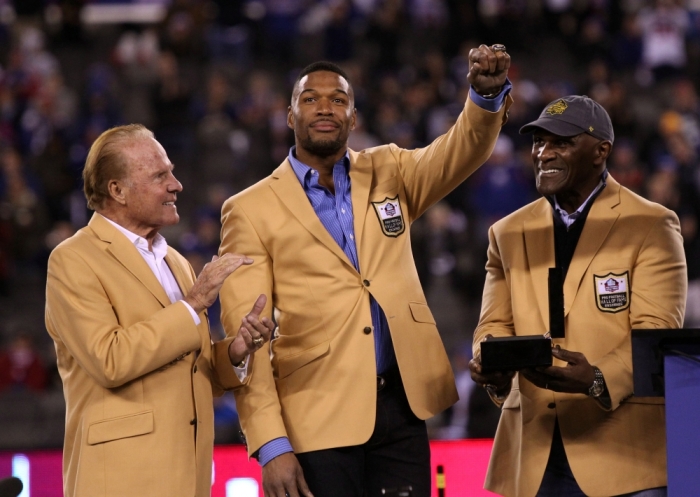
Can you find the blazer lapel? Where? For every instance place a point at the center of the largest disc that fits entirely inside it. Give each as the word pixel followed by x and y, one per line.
pixel 183 278
pixel 598 224
pixel 360 181
pixel 539 245
pixel 124 251
pixel 291 194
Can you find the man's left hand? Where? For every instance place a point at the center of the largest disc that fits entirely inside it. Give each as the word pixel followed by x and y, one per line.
pixel 576 377
pixel 252 334
pixel 488 69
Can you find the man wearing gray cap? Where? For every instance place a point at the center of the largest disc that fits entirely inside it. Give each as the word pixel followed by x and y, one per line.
pixel 575 428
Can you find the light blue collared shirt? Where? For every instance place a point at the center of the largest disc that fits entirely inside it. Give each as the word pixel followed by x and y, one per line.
pixel 569 219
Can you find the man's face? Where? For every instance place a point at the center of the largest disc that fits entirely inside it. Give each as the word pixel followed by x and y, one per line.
pixel 568 167
pixel 150 188
pixel 322 113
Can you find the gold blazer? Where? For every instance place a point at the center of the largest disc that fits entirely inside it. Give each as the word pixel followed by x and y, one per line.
pixel 137 372
pixel 628 271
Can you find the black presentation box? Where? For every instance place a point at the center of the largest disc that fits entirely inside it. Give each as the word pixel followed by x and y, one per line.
pixel 515 353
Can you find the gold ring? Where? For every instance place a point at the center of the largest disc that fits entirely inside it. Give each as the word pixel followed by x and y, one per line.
pixel 498 47
pixel 258 341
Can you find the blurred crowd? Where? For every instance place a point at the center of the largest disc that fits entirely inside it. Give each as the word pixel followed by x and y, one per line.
pixel 212 79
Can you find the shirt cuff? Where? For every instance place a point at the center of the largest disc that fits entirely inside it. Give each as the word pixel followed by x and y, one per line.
pixel 274 448
pixel 194 314
pixel 242 372
pixel 491 104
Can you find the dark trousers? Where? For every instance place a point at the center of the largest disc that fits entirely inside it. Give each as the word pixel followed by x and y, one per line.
pixel 396 455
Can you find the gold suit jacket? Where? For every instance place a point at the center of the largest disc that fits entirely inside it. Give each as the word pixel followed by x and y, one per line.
pixel 638 244
pixel 316 383
pixel 137 372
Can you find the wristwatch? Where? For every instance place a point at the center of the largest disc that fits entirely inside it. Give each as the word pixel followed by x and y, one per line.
pixel 598 386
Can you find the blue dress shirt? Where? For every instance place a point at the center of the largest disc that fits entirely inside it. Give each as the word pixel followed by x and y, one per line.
pixel 335 213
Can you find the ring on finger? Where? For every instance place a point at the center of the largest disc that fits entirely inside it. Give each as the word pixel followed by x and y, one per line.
pixel 498 47
pixel 258 341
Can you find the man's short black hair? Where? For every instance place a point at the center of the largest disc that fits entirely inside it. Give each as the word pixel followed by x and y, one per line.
pixel 322 66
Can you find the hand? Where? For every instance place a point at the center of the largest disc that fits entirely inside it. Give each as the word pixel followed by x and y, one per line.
pixel 576 377
pixel 205 290
pixel 254 332
pixel 497 382
pixel 283 477
pixel 488 69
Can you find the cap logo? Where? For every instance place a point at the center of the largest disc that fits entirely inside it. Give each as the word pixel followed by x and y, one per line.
pixel 590 128
pixel 557 108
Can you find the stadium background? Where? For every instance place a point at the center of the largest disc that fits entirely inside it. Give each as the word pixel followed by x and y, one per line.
pixel 213 79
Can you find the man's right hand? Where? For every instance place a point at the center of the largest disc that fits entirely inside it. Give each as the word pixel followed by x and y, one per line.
pixel 498 382
pixel 205 290
pixel 283 477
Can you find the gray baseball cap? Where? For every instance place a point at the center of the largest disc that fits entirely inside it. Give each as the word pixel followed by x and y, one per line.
pixel 573 115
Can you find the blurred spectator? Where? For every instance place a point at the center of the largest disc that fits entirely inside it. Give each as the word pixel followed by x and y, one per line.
pixel 21 366
pixel 499 187
pixel 625 166
pixel 664 26
pixel 22 211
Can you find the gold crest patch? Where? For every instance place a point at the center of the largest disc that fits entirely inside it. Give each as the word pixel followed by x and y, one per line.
pixel 557 108
pixel 612 292
pixel 390 217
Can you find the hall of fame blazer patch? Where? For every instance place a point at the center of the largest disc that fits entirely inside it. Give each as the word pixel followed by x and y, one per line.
pixel 390 217
pixel 612 291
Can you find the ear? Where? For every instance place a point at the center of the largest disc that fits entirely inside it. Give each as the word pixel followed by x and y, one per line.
pixel 116 191
pixel 602 152
pixel 290 117
pixel 353 120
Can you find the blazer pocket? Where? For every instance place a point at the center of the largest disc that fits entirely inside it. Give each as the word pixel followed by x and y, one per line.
pixel 287 364
pixel 421 313
pixel 131 425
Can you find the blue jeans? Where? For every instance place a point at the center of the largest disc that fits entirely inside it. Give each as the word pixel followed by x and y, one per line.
pixel 559 481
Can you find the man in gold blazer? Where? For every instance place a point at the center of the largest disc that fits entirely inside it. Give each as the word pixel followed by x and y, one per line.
pixel 357 363
pixel 575 428
pixel 132 339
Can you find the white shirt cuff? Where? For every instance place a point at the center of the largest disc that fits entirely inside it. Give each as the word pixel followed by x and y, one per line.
pixel 242 372
pixel 194 314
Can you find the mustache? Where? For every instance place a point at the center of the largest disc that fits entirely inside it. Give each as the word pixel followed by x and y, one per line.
pixel 325 120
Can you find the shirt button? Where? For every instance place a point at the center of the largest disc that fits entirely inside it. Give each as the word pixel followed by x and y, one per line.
pixel 352 237
pixel 551 405
pixel 367 330
pixel 365 282
pixel 342 210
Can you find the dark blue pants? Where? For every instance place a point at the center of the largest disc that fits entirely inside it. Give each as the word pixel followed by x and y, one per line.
pixel 396 455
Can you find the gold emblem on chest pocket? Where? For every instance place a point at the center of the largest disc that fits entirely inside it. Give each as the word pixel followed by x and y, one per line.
pixel 390 217
pixel 612 292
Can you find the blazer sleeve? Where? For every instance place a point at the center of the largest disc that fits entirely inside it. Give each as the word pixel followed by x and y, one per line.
pixel 659 286
pixel 224 377
pixel 257 401
pixel 496 307
pixel 79 311
pixel 432 172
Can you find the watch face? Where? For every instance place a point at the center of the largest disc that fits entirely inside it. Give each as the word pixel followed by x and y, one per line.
pixel 597 389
